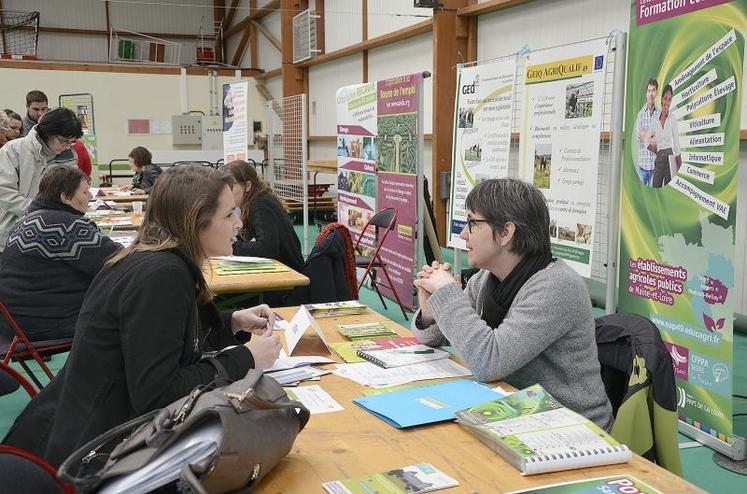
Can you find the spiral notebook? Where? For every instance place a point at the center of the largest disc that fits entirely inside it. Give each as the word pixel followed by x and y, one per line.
pixel 536 434
pixel 398 357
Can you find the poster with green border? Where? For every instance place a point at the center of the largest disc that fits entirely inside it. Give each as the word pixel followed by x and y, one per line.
pixel 679 197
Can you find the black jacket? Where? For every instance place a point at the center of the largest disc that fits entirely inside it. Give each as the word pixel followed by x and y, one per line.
pixel 52 255
pixel 137 347
pixel 325 269
pixel 271 228
pixel 146 178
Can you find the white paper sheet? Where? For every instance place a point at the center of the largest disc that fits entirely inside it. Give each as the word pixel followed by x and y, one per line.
pixel 315 399
pixel 372 375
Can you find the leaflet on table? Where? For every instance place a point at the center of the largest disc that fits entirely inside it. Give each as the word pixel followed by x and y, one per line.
pixel 314 398
pixel 372 375
pixel 348 350
pixel 356 157
pixel 413 479
pixel 294 335
pixel 560 138
pixel 243 259
pixel 482 133
pixel 365 331
pixel 285 362
pixel 624 484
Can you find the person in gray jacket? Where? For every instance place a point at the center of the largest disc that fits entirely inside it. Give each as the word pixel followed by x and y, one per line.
pixel 525 317
pixel 37 104
pixel 24 161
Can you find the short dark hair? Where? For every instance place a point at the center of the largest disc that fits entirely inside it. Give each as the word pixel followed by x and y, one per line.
pixel 652 82
pixel 60 179
pixel 59 122
pixel 12 114
pixel 667 89
pixel 36 96
pixel 503 200
pixel 140 156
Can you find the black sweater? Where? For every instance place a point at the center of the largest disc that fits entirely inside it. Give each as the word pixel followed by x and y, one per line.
pixel 52 255
pixel 146 178
pixel 137 347
pixel 269 233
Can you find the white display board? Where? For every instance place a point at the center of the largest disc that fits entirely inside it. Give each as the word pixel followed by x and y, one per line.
pixel 560 138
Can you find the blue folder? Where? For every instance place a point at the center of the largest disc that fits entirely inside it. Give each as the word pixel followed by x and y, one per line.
pixel 427 404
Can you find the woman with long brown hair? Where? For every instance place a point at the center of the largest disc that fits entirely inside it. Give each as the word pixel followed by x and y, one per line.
pixel 148 322
pixel 267 231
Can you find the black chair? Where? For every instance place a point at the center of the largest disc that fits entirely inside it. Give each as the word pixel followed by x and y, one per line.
pixel 11 380
pixel 24 473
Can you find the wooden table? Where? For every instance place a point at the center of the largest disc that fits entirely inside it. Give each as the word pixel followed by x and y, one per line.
pixel 254 282
pixel 110 194
pixel 353 442
pixel 135 220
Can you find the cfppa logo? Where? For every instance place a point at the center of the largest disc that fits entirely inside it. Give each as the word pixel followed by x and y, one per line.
pixel 471 88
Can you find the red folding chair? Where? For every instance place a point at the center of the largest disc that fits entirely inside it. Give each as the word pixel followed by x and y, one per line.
pixel 384 219
pixel 13 375
pixel 21 471
pixel 20 347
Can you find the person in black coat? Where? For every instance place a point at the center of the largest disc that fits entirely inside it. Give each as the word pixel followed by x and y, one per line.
pixel 52 255
pixel 268 230
pixel 146 173
pixel 148 321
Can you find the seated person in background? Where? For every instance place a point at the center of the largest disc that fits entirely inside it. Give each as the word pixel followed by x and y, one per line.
pixel 23 162
pixel 525 317
pixel 268 231
pixel 52 255
pixel 146 173
pixel 147 320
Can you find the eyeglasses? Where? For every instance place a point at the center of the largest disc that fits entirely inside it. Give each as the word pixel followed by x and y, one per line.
pixel 65 141
pixel 472 223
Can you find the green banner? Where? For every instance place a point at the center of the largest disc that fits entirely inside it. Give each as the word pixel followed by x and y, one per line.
pixel 679 200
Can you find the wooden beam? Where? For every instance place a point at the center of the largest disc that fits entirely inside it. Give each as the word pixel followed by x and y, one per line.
pixel 489 6
pixel 293 74
pixel 228 19
pixel 269 74
pixel 267 34
pixel 264 92
pixel 108 30
pixel 472 40
pixel 320 30
pixel 241 49
pixel 115 68
pixel 254 15
pixel 393 37
pixel 364 38
pixel 101 32
pixel 449 46
pixel 219 12
pixel 253 46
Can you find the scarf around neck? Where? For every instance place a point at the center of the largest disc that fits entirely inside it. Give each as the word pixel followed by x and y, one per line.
pixel 497 296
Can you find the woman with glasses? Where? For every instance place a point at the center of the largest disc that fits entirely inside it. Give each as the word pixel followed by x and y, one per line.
pixel 24 161
pixel 525 317
pixel 147 328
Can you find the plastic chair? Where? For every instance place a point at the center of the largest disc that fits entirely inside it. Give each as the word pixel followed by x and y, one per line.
pixel 20 347
pixel 23 472
pixel 384 219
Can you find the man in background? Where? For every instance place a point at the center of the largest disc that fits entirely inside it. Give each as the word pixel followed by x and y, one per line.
pixel 37 105
pixel 643 123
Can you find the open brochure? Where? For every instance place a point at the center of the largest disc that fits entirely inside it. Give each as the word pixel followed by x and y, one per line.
pixel 414 479
pixel 622 484
pixel 334 309
pixel 536 434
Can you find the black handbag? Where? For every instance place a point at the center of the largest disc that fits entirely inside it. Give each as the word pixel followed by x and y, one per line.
pixel 259 423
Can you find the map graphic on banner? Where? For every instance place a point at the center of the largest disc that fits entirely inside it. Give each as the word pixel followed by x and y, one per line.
pixel 680 175
pixel 482 133
pixel 559 147
pixel 356 157
pixel 235 121
pixel 398 101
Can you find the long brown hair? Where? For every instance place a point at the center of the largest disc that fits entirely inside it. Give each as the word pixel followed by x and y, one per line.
pixel 180 207
pixel 245 174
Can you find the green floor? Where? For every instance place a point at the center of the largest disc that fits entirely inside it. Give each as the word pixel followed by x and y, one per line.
pixel 698 464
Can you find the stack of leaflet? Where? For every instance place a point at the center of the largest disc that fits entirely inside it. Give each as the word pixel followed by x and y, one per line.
pixel 426 404
pixel 335 309
pixel 348 350
pixel 366 331
pixel 225 265
pixel 289 371
pixel 536 434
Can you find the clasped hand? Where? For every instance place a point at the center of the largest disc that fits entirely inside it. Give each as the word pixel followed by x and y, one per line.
pixel 429 279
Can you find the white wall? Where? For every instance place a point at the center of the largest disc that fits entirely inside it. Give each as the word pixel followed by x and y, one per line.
pixel 343 24
pixel 324 81
pixel 118 97
pixel 385 16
